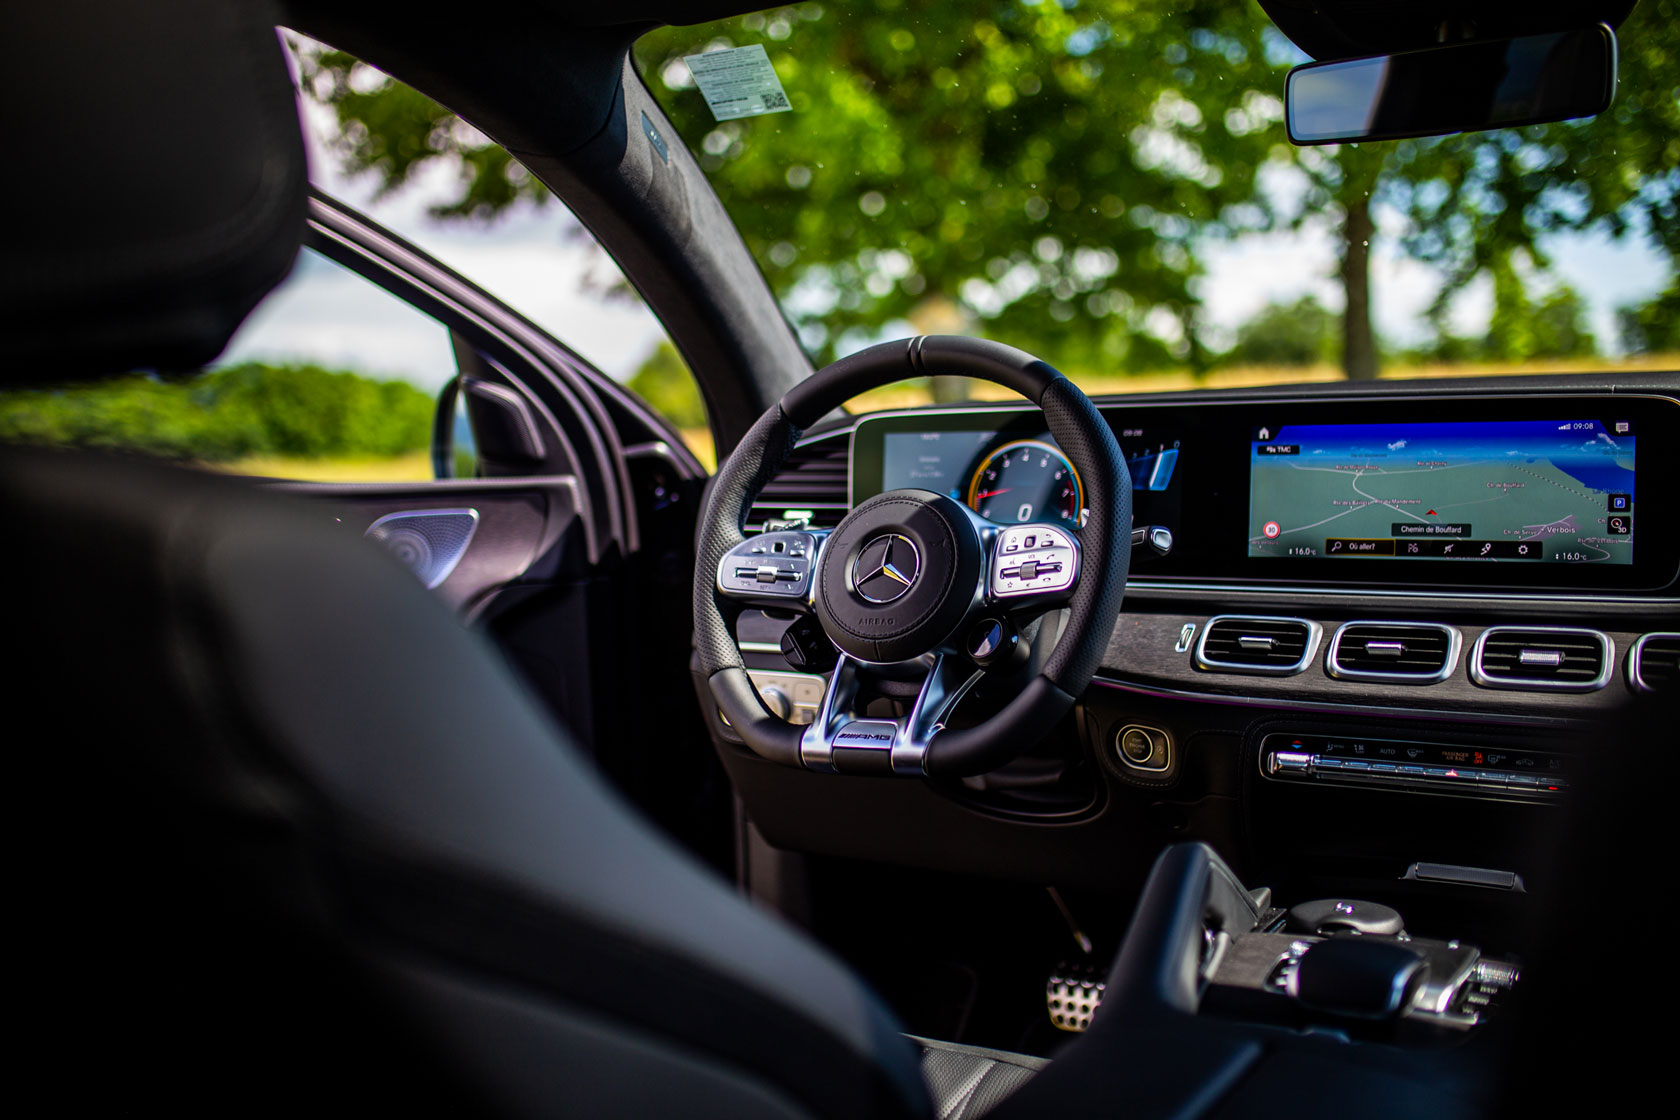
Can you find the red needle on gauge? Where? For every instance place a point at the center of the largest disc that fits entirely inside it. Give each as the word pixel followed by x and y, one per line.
pixel 991 493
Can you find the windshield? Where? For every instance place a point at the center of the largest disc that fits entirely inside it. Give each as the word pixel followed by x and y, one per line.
pixel 1109 186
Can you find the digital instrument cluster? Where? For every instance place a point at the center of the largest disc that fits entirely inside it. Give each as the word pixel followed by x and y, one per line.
pixel 1002 465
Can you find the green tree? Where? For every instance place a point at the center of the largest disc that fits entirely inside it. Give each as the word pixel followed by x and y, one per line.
pixel 1052 170
pixel 1653 326
pixel 1302 333
pixel 1049 169
pixel 1521 328
pixel 1475 202
pixel 1343 184
pixel 665 383
pixel 389 130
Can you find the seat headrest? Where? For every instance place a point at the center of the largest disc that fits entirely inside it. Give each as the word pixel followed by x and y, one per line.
pixel 156 188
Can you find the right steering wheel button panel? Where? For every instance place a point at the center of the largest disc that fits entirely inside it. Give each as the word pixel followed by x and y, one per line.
pixel 1032 560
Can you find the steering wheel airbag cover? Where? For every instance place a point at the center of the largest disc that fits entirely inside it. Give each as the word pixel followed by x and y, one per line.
pixel 935 595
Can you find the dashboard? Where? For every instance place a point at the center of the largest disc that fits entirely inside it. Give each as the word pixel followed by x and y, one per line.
pixel 1365 626
pixel 1536 492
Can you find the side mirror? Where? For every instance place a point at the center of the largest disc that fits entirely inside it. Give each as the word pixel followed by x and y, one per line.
pixel 454 450
pixel 1463 87
pixel 484 428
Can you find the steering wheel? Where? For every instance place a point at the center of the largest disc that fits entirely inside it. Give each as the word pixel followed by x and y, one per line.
pixel 912 575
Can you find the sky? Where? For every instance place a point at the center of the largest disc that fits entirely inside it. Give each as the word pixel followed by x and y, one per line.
pixel 540 261
pixel 1247 273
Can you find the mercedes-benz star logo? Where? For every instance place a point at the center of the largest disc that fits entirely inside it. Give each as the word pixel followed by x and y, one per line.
pixel 886 568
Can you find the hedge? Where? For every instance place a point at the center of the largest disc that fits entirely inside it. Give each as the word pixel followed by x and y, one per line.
pixel 302 411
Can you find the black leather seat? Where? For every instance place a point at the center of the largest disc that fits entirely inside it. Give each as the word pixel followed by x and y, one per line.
pixel 301 841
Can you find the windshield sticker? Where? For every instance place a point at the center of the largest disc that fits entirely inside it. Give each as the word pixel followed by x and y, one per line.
pixel 738 82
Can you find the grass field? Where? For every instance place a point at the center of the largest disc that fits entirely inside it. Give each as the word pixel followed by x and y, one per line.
pixel 416 465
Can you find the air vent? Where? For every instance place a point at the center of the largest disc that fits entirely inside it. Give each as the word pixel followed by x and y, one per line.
pixel 1237 643
pixel 1654 663
pixel 812 483
pixel 1399 652
pixel 1542 657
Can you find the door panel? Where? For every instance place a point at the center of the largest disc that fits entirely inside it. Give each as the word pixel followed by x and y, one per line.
pixel 579 571
pixel 528 530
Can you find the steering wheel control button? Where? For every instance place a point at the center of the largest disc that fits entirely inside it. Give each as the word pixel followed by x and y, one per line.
pixel 1033 560
pixel 1143 748
pixel 898 575
pixel 770 565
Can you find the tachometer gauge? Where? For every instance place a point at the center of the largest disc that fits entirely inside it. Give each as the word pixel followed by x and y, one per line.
pixel 1027 480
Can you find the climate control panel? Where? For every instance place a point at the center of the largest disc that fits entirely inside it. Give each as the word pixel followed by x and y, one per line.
pixel 1404 764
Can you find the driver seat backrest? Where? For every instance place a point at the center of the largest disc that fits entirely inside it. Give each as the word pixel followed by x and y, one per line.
pixel 297 839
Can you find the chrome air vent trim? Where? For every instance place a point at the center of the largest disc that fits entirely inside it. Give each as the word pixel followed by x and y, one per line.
pixel 1638 658
pixel 1546 640
pixel 1398 634
pixel 1311 633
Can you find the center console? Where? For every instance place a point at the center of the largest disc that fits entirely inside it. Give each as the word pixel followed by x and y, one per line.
pixel 1205 944
pixel 1323 970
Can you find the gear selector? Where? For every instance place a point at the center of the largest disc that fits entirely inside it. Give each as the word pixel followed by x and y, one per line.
pixel 1339 964
pixel 1343 915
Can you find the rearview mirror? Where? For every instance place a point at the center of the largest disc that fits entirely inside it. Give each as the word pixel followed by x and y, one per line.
pixel 1463 87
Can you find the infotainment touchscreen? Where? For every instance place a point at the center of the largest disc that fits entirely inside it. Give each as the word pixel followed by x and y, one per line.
pixel 1501 491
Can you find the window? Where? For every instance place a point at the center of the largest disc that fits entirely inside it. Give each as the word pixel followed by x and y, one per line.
pixel 331 379
pixel 414 167
pixel 334 379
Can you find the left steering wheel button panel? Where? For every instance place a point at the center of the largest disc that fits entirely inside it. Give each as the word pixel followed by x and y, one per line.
pixel 776 565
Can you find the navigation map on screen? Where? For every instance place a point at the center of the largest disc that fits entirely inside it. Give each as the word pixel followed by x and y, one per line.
pixel 1524 491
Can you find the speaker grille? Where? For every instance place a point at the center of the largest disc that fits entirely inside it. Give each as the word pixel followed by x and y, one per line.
pixel 428 542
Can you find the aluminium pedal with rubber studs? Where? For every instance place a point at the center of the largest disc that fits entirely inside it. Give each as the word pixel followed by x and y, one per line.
pixel 1072 995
